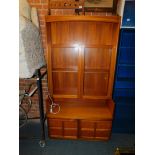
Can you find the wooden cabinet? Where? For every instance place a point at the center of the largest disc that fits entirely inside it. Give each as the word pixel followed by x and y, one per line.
pixel 81 62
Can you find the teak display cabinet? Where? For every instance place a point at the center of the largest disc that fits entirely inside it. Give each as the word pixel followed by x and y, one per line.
pixel 81 63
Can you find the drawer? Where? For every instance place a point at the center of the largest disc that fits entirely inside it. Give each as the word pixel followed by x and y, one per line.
pixel 70 124
pixel 102 133
pixel 55 132
pixel 87 124
pixel 70 133
pixel 104 125
pixel 62 123
pixel 89 129
pixel 87 133
pixel 55 123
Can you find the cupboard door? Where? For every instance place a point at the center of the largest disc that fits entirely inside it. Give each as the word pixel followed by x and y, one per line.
pixel 97 58
pixel 65 72
pixel 65 58
pixel 95 84
pixel 65 83
pixel 96 72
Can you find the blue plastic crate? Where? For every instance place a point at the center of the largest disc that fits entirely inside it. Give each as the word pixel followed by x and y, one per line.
pixel 127 55
pixel 124 118
pixel 124 84
pixel 129 14
pixel 124 100
pixel 125 111
pixel 123 126
pixel 127 38
pixel 127 72
pixel 124 92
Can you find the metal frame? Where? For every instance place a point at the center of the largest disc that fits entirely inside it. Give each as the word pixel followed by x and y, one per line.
pixel 41 107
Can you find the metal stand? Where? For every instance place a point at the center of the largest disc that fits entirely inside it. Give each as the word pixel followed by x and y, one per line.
pixel 41 107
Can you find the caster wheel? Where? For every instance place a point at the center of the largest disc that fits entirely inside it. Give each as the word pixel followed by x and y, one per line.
pixel 42 143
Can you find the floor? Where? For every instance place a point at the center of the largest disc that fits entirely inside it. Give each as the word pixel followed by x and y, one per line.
pixel 30 137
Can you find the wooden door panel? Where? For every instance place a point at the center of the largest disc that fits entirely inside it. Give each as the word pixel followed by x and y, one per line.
pixel 99 33
pixel 69 32
pixel 65 83
pixel 65 58
pixel 97 58
pixel 95 83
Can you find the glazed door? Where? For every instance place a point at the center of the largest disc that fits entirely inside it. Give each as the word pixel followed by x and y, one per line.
pixel 65 72
pixel 99 60
pixel 96 72
pixel 64 57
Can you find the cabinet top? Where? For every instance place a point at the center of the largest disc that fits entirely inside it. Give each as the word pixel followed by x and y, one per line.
pixel 97 111
pixel 115 19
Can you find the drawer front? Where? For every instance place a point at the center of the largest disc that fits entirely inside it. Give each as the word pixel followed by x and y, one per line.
pixel 102 133
pixel 95 129
pixel 104 125
pixel 86 129
pixel 87 133
pixel 62 128
pixel 62 123
pixel 87 124
pixel 55 132
pixel 70 124
pixel 55 123
pixel 70 133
